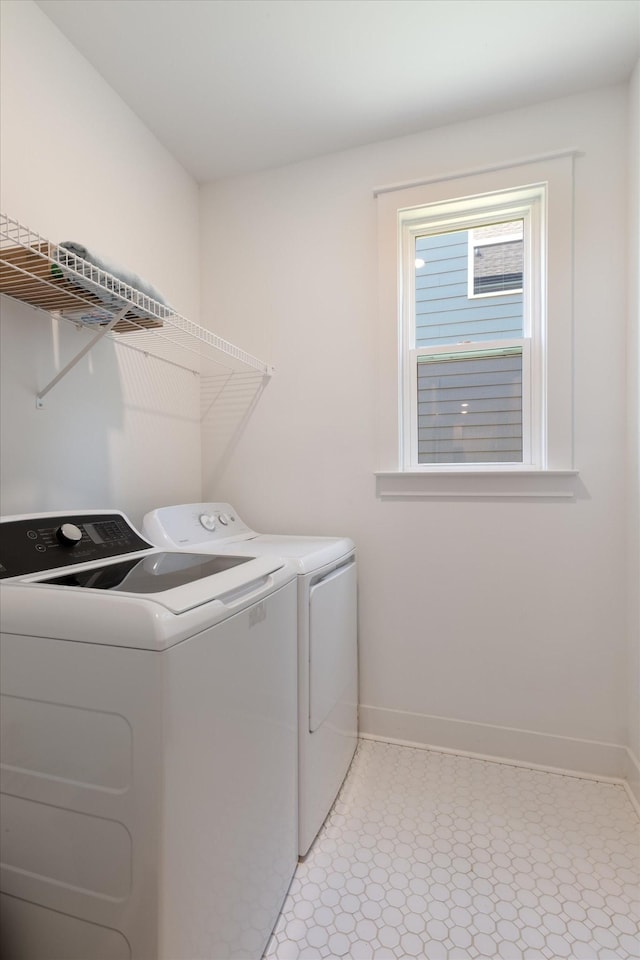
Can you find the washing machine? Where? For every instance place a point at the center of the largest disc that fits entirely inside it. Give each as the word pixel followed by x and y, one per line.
pixel 327 639
pixel 149 744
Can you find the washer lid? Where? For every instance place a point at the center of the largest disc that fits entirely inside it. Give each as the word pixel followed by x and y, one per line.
pixel 148 621
pixel 151 574
pixel 158 585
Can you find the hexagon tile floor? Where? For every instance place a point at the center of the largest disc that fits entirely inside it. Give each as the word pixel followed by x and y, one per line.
pixel 433 855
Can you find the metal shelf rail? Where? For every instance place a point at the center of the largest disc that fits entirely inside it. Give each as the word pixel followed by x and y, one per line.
pixel 50 278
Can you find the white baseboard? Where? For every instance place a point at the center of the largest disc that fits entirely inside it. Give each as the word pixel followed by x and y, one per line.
pixel 586 758
pixel 633 779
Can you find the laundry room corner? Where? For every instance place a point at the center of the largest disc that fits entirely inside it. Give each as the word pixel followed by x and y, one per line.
pixel 493 625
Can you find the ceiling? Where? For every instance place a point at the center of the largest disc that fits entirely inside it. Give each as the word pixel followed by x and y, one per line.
pixel 232 86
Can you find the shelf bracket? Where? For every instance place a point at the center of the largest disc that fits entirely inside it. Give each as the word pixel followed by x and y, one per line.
pixel 89 346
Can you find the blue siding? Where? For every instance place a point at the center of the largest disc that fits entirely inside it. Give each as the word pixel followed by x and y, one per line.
pixel 470 410
pixel 444 312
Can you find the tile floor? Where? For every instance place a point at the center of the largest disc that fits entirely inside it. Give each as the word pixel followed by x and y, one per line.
pixel 431 855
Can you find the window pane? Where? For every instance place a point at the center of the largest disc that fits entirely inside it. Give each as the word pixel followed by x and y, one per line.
pixel 470 409
pixel 498 257
pixel 497 266
pixel 445 313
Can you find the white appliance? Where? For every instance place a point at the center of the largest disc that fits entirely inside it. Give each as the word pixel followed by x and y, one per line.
pixel 149 745
pixel 327 639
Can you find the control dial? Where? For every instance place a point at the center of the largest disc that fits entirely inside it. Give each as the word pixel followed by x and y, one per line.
pixel 223 518
pixel 69 535
pixel 208 521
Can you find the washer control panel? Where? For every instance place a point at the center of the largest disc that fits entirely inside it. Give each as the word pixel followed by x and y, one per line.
pixel 190 524
pixel 48 541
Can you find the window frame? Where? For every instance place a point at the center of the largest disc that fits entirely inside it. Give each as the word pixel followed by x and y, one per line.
pixel 459 214
pixel 558 479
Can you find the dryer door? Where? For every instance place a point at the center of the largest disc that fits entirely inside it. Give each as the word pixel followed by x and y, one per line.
pixel 332 640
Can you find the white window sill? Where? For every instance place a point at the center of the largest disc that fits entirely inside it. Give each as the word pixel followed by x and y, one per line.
pixel 471 483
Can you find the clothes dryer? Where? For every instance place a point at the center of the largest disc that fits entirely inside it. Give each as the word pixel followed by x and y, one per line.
pixel 327 639
pixel 149 747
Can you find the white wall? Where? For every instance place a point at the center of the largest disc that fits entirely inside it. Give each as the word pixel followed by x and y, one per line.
pixel 77 164
pixel 633 406
pixel 506 613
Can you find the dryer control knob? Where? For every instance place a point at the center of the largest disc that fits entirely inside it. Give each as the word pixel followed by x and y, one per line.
pixel 223 518
pixel 69 535
pixel 208 521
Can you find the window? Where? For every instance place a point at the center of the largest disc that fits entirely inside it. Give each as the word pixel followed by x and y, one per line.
pixel 476 333
pixel 472 328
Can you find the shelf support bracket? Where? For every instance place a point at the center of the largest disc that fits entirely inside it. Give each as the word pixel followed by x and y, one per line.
pixel 89 346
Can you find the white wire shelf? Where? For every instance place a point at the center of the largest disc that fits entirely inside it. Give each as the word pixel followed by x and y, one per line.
pixel 41 273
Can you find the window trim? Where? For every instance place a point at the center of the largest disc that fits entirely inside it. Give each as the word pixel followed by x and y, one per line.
pixel 507 483
pixel 557 170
